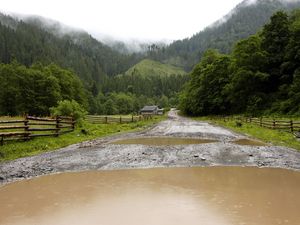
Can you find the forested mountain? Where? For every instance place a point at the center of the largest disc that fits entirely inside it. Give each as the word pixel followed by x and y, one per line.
pixel 261 75
pixel 149 78
pixel 40 63
pixel 47 58
pixel 244 20
pixel 146 83
pixel 33 40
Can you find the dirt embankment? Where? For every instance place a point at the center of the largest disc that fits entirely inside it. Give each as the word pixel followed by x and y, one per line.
pixel 102 154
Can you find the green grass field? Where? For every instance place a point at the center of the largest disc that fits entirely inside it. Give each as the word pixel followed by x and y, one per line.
pixel 275 137
pixel 18 149
pixel 149 67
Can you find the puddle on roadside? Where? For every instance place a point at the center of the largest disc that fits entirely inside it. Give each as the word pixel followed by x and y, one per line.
pixel 156 141
pixel 173 196
pixel 249 142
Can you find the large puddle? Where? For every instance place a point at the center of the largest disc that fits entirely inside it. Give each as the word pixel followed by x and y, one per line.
pixel 249 142
pixel 162 141
pixel 181 196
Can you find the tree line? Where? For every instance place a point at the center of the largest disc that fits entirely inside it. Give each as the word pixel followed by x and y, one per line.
pixel 34 90
pixel 261 75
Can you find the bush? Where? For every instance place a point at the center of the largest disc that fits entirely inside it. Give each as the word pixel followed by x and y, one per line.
pixel 69 108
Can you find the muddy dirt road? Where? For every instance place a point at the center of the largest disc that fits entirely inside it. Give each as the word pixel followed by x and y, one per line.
pixel 103 154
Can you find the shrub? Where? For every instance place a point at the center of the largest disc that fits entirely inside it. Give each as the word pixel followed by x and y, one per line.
pixel 69 108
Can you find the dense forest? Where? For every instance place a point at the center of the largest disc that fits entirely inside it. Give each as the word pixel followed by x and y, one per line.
pixel 42 63
pixel 34 47
pixel 146 83
pixel 261 75
pixel 244 20
pixel 32 41
pixel 33 90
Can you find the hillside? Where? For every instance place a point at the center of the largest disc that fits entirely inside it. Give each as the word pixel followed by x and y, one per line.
pixel 149 78
pixel 32 40
pixel 260 76
pixel 149 67
pixel 245 19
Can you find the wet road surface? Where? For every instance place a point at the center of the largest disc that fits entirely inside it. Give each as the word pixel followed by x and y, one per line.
pixel 103 154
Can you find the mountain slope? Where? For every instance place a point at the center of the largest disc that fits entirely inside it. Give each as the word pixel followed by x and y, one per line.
pixel 153 68
pixel 246 19
pixel 148 78
pixel 32 41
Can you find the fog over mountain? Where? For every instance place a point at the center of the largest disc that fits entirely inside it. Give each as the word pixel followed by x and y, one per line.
pixel 263 8
pixel 245 19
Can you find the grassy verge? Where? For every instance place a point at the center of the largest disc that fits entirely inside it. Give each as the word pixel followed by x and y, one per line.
pixel 275 137
pixel 14 150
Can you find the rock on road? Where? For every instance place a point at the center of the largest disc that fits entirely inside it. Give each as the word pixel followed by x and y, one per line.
pixel 101 154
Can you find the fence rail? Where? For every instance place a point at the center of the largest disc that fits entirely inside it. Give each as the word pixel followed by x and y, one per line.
pixel 113 119
pixel 275 124
pixel 30 127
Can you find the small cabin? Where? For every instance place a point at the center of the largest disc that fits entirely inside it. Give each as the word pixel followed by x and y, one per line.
pixel 149 110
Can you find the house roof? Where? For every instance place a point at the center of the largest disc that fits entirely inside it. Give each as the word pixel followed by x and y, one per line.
pixel 149 108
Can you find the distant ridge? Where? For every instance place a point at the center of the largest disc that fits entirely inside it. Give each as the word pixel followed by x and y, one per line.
pixel 245 19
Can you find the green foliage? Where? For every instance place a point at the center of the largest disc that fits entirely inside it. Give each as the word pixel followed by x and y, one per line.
pixel 148 78
pixel 35 89
pixel 149 67
pixel 146 83
pixel 204 94
pixel 261 75
pixel 69 108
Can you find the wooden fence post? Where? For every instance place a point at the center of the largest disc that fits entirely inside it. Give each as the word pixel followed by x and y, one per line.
pixel 120 119
pixel 73 123
pixel 26 128
pixel 292 126
pixel 57 126
pixel 132 119
pixel 260 122
pixel 106 121
pixel 274 124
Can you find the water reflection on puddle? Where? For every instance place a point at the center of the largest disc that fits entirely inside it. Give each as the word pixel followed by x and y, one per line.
pixel 249 142
pixel 163 141
pixel 209 196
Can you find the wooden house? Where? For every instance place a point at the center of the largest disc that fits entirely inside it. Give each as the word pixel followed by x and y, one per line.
pixel 149 110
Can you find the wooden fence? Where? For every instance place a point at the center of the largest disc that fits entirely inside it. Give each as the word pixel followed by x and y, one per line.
pixel 113 119
pixel 289 125
pixel 31 127
pixel 275 124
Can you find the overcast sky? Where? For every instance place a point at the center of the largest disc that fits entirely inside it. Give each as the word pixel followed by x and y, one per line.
pixel 125 19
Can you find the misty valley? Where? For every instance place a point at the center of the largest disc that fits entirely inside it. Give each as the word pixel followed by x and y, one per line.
pixel 100 130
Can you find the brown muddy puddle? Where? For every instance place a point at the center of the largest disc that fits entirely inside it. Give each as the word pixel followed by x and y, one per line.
pixel 191 196
pixel 156 141
pixel 249 142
